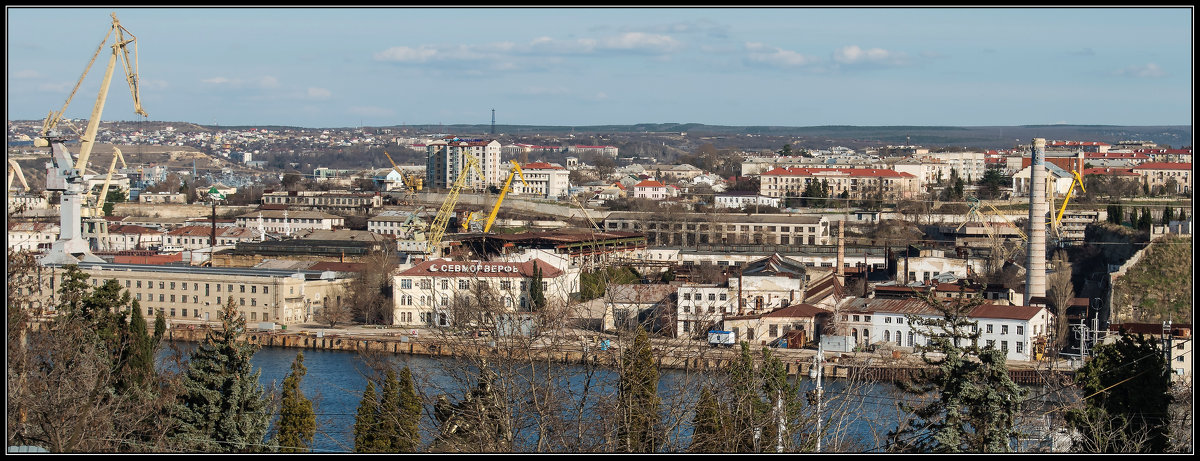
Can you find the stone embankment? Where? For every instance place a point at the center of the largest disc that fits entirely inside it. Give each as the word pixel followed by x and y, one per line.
pixel 670 354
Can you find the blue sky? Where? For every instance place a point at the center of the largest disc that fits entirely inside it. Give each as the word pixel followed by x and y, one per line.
pixel 344 67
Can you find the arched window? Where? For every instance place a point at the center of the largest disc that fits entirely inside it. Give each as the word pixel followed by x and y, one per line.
pixel 898 338
pixel 887 335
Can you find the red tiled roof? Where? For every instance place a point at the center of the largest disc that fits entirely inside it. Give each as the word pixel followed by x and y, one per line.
pixel 649 183
pixel 993 311
pixel 541 166
pixel 448 268
pixel 1116 155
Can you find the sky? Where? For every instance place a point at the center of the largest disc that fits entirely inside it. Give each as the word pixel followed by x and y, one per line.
pixel 348 67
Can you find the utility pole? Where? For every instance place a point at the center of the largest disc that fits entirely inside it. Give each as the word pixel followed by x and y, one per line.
pixel 819 368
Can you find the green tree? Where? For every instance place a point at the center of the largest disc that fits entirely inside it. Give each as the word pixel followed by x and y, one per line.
pixel 297 422
pixel 160 325
pixel 991 183
pixel 138 354
pixel 1166 216
pixel 639 429
pixel 711 428
pixel 389 412
pixel 1126 387
pixel 366 423
pixel 977 400
pixel 72 290
pixel 222 406
pixel 409 437
pixel 537 294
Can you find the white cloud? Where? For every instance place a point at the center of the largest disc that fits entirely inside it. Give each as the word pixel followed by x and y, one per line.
pixel 1150 70
pixel 638 41
pixel 776 57
pixel 406 54
pixel 61 87
pixel 26 74
pixel 318 93
pixel 264 82
pixel 852 54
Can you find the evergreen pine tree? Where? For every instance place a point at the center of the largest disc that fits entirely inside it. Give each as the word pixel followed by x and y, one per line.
pixel 409 437
pixel 537 295
pixel 389 413
pixel 746 409
pixel 160 325
pixel 638 430
pixel 1127 396
pixel 221 407
pixel 783 403
pixel 977 399
pixel 710 425
pixel 1166 216
pixel 366 423
pixel 138 354
pixel 297 421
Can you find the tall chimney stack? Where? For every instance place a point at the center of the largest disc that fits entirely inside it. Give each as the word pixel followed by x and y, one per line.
pixel 1035 270
pixel 841 257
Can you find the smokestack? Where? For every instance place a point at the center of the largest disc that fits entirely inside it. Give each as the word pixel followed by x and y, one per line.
pixel 841 259
pixel 1035 270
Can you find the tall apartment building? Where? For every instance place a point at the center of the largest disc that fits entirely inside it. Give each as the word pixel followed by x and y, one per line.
pixel 445 159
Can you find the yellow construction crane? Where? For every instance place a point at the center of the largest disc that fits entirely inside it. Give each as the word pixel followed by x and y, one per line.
pixel 437 229
pixel 95 208
pixel 67 176
pixel 1057 221
pixel 411 184
pixel 514 171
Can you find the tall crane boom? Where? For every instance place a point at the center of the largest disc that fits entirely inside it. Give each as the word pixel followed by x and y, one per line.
pixel 437 229
pixel 516 170
pixel 64 175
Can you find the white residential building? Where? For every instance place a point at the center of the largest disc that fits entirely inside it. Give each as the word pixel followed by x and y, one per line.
pixel 737 200
pixel 28 235
pixel 542 180
pixel 288 222
pixel 653 190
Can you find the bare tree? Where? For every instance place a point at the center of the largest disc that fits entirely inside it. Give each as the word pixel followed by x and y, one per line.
pixel 337 310
pixel 1062 291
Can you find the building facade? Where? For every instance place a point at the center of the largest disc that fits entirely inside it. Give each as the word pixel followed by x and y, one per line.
pixel 445 159
pixel 448 293
pixel 857 183
pixel 543 180
pixel 690 229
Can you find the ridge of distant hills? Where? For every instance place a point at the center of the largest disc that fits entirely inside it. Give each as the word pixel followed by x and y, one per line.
pixel 967 136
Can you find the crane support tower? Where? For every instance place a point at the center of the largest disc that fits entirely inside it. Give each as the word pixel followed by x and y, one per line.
pixel 437 229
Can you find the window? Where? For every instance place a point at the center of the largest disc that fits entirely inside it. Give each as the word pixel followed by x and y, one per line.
pixel 253 288
pixel 464 284
pixel 160 297
pixel 218 300
pixel 139 284
pixel 195 299
pixel 218 288
pixel 900 320
pixel 161 286
pixel 172 298
pixel 139 296
pixel 991 343
pixel 253 301
pixel 1020 347
pixel 1003 329
pixel 241 301
pixel 172 285
pixel 445 284
pixel 687 296
pixel 856 318
pixel 887 335
pixel 150 311
pixel 774 331
pixel 1020 331
pixel 1004 345
pixel 989 329
pixel 126 284
pixel 887 320
pixel 722 296
pixel 426 284
pixel 405 284
pixel 172 312
pixel 254 316
pixel 230 287
pixel 243 290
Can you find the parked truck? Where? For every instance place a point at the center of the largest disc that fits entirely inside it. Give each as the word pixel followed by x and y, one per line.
pixel 721 338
